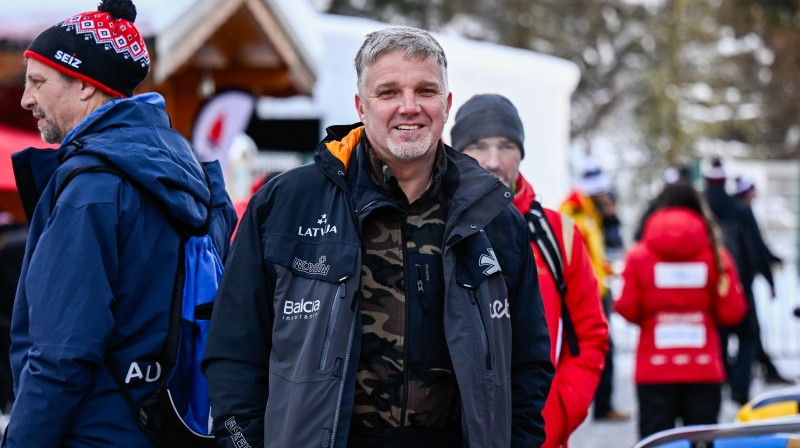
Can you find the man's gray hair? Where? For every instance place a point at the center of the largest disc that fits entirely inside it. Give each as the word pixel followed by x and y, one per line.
pixel 414 42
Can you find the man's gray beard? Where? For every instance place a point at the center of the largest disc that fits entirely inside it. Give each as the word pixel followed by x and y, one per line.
pixel 416 149
pixel 51 133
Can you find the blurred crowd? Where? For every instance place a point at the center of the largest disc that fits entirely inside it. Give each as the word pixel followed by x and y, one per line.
pixel 688 284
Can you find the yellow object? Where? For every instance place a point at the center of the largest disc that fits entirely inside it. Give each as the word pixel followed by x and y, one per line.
pixel 767 409
pixel 581 209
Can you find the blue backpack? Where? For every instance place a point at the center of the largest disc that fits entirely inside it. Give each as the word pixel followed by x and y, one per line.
pixel 178 412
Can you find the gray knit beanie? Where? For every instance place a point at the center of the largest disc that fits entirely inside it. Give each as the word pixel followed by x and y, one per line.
pixel 487 115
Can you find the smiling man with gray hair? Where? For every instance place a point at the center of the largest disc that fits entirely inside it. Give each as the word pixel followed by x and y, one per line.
pixel 379 297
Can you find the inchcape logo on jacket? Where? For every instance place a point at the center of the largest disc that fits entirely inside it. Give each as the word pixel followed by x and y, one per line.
pixel 322 227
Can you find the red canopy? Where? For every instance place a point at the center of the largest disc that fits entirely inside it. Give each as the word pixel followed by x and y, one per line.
pixel 11 141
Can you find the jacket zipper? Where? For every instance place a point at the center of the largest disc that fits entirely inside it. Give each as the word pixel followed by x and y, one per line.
pixel 326 343
pixel 343 381
pixel 406 376
pixel 421 296
pixel 484 337
pixel 371 204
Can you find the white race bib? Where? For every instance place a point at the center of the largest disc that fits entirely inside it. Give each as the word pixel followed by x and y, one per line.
pixel 681 275
pixel 680 336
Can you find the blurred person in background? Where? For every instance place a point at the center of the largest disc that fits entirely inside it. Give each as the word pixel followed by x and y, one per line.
pixel 241 205
pixel 671 175
pixel 488 128
pixel 762 263
pixel 589 205
pixel 737 236
pixel 680 284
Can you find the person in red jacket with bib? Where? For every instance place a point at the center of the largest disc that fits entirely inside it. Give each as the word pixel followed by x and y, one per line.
pixel 488 129
pixel 680 285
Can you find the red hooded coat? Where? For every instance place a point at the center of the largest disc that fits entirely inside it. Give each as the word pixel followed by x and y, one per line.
pixel 672 292
pixel 576 377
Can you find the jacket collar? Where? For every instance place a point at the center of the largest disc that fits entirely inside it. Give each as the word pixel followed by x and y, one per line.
pixel 474 196
pixel 525 195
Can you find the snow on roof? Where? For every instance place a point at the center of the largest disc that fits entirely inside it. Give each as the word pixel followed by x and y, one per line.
pixel 167 20
pixel 26 19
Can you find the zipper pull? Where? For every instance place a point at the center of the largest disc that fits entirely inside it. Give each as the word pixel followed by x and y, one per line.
pixel 423 298
pixel 472 299
pixel 340 292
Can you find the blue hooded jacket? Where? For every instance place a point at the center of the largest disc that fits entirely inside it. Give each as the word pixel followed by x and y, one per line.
pixel 99 271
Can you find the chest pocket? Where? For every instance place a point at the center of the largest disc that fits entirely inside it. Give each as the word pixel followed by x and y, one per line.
pixel 427 343
pixel 314 288
pixel 326 261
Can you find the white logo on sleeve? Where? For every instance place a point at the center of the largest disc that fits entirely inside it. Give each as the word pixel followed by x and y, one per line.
pixel 236 431
pixel 681 275
pixel 500 309
pixel 489 260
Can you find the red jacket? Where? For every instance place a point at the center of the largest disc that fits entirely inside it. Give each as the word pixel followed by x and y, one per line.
pixel 576 378
pixel 671 292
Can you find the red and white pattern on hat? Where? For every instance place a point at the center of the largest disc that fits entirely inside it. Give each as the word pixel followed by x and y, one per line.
pixel 118 34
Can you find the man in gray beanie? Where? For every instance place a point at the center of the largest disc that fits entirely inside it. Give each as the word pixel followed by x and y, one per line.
pixel 487 115
pixel 488 128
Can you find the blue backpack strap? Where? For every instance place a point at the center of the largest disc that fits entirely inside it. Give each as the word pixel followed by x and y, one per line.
pixel 80 170
pixel 184 230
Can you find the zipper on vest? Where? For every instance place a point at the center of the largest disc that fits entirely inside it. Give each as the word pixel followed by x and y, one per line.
pixel 332 316
pixel 483 338
pixel 423 298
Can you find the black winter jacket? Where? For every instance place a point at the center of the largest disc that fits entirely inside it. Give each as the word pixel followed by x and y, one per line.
pixel 286 331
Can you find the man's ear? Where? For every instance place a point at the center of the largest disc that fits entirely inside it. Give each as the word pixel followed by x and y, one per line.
pixel 87 90
pixel 359 107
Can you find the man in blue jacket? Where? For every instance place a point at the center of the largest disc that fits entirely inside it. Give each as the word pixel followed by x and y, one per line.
pixel 101 260
pixel 385 295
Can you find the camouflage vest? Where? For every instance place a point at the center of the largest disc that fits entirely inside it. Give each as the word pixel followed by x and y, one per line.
pixel 405 376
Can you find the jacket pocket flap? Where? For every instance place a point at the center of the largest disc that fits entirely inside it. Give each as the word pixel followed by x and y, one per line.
pixel 328 261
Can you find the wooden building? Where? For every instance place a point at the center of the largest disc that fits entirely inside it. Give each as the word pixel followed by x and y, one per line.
pixel 252 45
